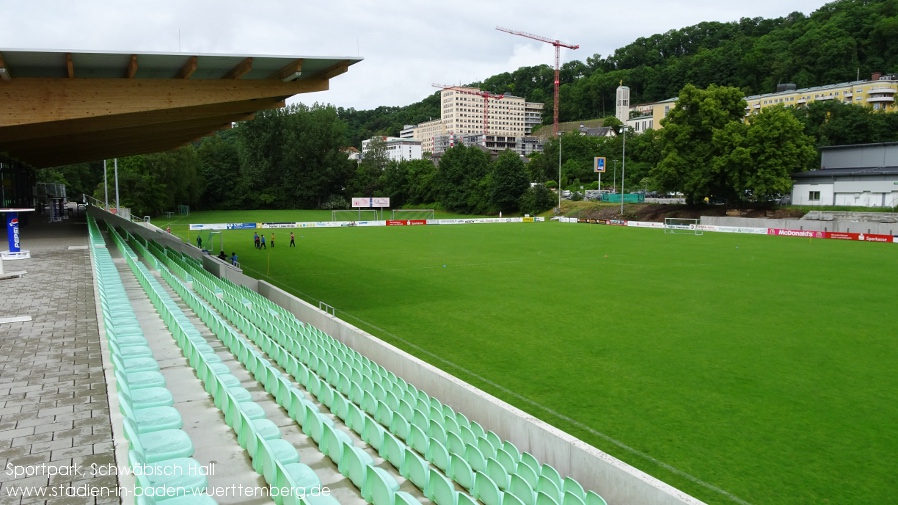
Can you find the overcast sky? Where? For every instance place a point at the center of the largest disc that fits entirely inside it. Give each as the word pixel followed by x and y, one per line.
pixel 406 46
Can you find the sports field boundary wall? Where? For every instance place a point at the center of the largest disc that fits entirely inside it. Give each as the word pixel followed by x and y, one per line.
pixel 614 480
pixel 840 226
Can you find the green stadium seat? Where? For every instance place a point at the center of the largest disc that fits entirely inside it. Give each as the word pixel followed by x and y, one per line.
pixel 417 439
pixel 159 445
pixel 380 486
pixel 415 469
pixel 547 486
pixel 333 443
pixel 460 471
pixel 438 455
pixel 571 486
pixel 593 498
pixel 510 499
pixel 521 488
pixel 400 427
pixel 512 451
pixel 373 434
pixel 383 414
pixel 486 490
pixel 475 458
pixel 354 465
pixel 466 499
pixel 497 472
pixel 392 450
pixel 181 477
pixel 454 444
pixel 355 418
pixel 440 490
pixel 436 431
pixel 544 499
pixel 550 473
pixel 571 499
pixel 403 498
pixel 151 419
pixel 301 479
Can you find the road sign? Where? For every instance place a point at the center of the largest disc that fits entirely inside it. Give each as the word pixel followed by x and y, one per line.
pixel 599 164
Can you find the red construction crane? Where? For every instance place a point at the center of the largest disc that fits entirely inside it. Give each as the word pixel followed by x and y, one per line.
pixel 486 103
pixel 558 45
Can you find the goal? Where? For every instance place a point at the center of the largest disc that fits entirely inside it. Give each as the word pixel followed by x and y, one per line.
pixel 403 214
pixel 682 225
pixel 354 215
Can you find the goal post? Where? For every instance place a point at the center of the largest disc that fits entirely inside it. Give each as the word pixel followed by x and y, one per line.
pixel 404 214
pixel 354 215
pixel 674 225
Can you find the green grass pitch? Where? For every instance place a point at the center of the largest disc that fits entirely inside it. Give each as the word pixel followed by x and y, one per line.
pixel 738 368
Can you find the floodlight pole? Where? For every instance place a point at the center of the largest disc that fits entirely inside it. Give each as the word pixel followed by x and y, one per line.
pixel 105 187
pixel 623 171
pixel 118 210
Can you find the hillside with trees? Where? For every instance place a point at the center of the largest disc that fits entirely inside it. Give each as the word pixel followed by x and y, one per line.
pixel 837 43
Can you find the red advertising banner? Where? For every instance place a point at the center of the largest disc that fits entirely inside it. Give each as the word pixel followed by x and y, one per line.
pixel 406 222
pixel 863 237
pixel 795 233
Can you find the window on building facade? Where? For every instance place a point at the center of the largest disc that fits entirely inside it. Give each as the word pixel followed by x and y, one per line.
pixel 814 196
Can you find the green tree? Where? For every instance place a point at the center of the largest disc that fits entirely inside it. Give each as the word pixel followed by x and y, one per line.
pixel 460 177
pixel 687 148
pixel 508 182
pixel 220 169
pixel 760 156
pixel 537 199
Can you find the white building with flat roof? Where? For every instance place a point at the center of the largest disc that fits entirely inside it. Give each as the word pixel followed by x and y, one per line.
pixel 398 149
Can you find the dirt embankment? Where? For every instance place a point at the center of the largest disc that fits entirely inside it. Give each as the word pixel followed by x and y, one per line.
pixel 657 212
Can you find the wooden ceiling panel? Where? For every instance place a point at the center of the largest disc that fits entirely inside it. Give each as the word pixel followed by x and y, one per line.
pixel 125 104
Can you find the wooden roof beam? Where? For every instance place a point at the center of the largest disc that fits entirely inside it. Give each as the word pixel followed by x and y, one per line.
pixel 132 67
pixel 149 130
pixel 188 69
pixel 69 66
pixel 333 70
pixel 4 72
pixel 240 70
pixel 289 72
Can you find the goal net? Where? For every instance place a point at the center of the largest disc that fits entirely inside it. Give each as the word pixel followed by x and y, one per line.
pixel 354 215
pixel 682 225
pixel 403 214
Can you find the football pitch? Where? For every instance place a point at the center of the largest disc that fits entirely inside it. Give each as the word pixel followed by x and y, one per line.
pixel 738 368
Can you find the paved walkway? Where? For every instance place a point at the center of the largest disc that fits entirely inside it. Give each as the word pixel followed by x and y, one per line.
pixel 54 414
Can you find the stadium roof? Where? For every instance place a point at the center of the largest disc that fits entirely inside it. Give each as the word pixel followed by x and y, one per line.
pixel 61 107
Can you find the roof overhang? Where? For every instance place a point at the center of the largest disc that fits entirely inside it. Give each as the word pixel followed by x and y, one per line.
pixel 59 108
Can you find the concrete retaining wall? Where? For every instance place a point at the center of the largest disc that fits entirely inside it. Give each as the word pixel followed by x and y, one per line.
pixel 614 480
pixel 805 224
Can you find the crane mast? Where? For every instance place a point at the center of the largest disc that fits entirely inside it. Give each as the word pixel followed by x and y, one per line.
pixel 558 45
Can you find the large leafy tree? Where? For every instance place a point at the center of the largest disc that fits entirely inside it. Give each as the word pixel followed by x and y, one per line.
pixel 759 156
pixel 460 179
pixel 688 152
pixel 508 182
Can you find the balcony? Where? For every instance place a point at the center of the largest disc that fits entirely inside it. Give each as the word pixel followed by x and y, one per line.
pixel 882 90
pixel 881 99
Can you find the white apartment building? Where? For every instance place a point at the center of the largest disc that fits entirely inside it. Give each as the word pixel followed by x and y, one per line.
pixel 508 121
pixel 398 149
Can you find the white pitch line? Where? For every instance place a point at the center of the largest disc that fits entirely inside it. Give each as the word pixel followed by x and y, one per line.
pixel 15 319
